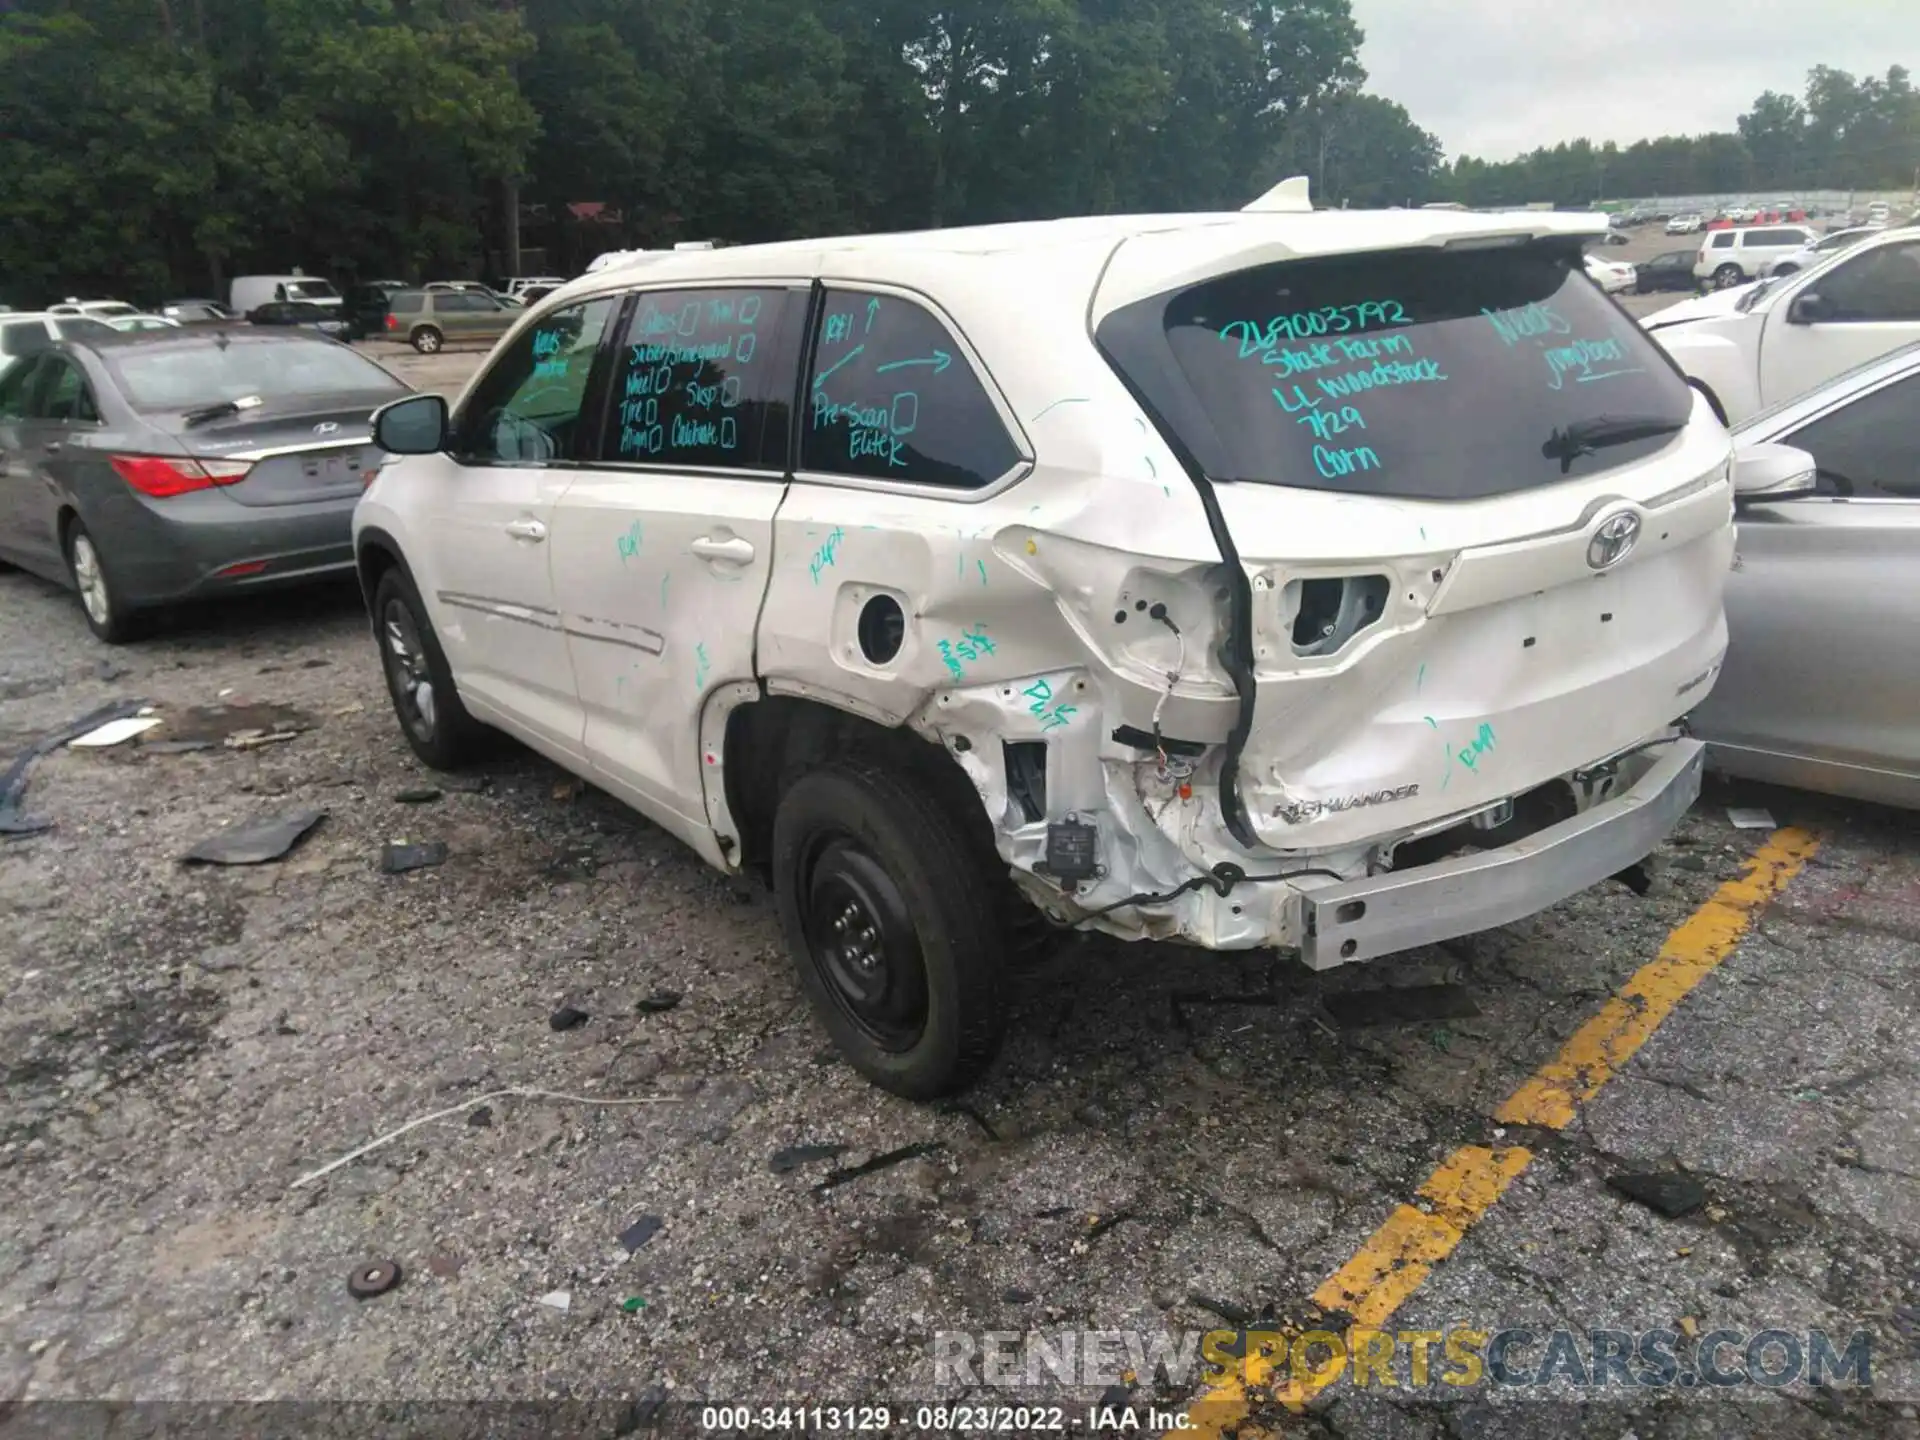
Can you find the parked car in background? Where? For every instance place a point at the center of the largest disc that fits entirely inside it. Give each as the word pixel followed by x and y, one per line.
pixel 1672 270
pixel 1757 346
pixel 250 292
pixel 1733 257
pixel 1810 254
pixel 429 319
pixel 1612 276
pixel 365 307
pixel 1879 213
pixel 142 470
pixel 198 312
pixel 26 333
pixel 518 287
pixel 534 294
pixel 830 701
pixel 135 323
pixel 1683 224
pixel 322 319
pixel 93 309
pixel 1821 688
pixel 472 287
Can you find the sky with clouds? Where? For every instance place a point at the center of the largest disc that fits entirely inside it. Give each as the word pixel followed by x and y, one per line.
pixel 1495 78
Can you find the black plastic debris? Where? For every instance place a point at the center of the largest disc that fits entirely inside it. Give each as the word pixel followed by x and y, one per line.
pixel 255 842
pixel 786 1161
pixel 1228 1311
pixel 418 795
pixel 1106 1222
pixel 641 1231
pixel 659 1002
pixel 13 782
pixel 174 747
pixel 398 858
pixel 1400 1004
pixel 1014 1295
pixel 468 785
pixel 568 1018
pixel 376 1277
pixel 480 1118
pixel 881 1162
pixel 1666 1192
pixel 1635 878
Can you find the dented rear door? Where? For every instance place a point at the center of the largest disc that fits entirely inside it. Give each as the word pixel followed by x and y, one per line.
pixel 1484 526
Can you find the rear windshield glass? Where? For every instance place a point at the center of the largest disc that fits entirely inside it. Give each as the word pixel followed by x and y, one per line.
pixel 171 377
pixel 1429 374
pixel 311 290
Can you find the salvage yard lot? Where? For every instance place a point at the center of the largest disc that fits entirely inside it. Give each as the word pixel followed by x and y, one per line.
pixel 1169 1135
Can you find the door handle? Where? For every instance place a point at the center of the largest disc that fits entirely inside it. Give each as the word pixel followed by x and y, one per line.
pixel 735 550
pixel 527 530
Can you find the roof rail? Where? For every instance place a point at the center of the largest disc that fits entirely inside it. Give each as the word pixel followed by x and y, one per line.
pixel 1289 196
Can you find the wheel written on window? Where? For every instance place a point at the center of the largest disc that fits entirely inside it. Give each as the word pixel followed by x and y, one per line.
pixel 890 396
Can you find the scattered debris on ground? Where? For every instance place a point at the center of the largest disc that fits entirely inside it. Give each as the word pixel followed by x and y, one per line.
pixel 886 1161
pixel 1666 1191
pixel 568 1018
pixel 374 1278
pixel 659 1002
pixel 418 795
pixel 640 1232
pixel 786 1161
pixel 559 1300
pixel 114 732
pixel 1744 818
pixel 400 856
pixel 13 782
pixel 255 842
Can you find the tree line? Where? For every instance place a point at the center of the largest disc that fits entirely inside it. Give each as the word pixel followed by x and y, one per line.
pixel 156 147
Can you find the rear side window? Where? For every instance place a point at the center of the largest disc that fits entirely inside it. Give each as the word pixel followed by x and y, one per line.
pixel 406 302
pixel 891 397
pixel 24 339
pixel 1424 374
pixel 702 379
pixel 1723 240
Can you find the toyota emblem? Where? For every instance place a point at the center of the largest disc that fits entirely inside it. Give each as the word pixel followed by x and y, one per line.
pixel 325 427
pixel 1613 540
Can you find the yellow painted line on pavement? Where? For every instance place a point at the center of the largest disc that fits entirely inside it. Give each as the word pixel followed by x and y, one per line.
pixel 1397 1258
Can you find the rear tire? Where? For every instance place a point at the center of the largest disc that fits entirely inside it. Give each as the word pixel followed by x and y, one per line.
pixel 895 926
pixel 107 615
pixel 419 680
pixel 1728 276
pixel 427 340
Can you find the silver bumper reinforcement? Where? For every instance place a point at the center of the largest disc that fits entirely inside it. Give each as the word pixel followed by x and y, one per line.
pixel 1382 914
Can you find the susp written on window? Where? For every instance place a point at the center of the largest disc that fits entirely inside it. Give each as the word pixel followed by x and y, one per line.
pixel 890 396
pixel 526 408
pixel 699 380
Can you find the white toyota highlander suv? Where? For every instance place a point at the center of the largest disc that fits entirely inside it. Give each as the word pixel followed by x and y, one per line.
pixel 1327 581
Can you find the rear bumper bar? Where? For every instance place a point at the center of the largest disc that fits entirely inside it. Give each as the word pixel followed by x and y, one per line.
pixel 1381 914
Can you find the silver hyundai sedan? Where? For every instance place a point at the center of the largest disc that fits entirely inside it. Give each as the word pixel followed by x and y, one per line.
pixel 1821 688
pixel 145 469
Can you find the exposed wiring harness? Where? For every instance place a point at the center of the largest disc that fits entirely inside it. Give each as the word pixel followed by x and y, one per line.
pixel 1171 769
pixel 1221 879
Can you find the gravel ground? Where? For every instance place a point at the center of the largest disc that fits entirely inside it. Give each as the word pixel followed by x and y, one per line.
pixel 179 1045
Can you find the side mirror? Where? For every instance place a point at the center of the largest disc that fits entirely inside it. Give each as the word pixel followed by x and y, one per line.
pixel 416 425
pixel 1763 473
pixel 1808 309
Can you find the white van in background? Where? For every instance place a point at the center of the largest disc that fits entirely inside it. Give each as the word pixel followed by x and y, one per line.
pixel 249 292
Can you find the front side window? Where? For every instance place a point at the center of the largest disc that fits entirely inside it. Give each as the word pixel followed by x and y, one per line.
pixel 890 396
pixel 703 378
pixel 1442 375
pixel 526 408
pixel 1866 448
pixel 16 388
pixel 1880 284
pixel 28 338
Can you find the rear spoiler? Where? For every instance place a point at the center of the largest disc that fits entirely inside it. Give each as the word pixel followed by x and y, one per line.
pixel 1289 196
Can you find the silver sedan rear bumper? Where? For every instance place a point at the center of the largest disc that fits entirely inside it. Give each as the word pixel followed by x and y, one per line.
pixel 1381 914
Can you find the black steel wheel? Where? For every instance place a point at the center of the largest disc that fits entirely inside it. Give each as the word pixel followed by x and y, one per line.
pixel 894 920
